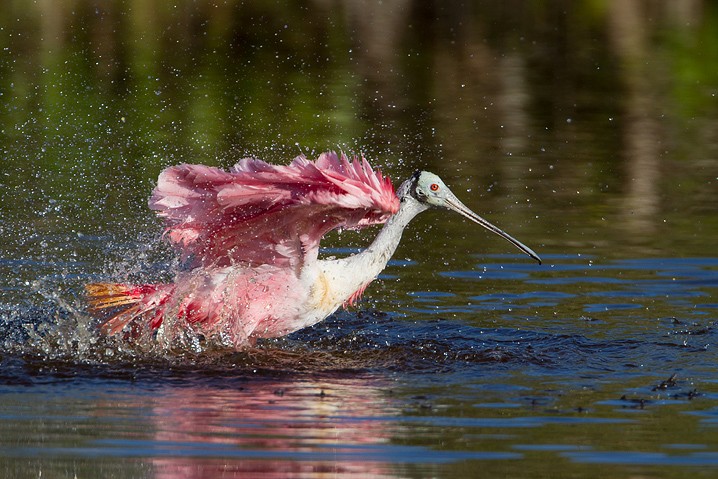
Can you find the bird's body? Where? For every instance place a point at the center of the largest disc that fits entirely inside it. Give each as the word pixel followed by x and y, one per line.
pixel 250 238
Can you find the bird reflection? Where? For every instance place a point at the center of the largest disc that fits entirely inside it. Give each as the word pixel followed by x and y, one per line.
pixel 273 429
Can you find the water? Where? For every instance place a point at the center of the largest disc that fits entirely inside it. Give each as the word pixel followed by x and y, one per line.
pixel 609 365
pixel 584 129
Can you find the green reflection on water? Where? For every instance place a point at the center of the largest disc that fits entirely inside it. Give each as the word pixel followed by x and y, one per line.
pixel 594 112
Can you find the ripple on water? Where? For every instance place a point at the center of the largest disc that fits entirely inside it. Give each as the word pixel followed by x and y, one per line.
pixel 697 459
pixel 526 367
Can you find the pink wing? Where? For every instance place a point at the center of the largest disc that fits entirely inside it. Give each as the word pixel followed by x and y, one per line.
pixel 259 213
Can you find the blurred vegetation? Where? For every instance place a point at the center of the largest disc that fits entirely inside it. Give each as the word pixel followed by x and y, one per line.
pixel 568 117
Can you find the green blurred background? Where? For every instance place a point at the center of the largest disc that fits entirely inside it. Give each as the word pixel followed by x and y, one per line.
pixel 579 126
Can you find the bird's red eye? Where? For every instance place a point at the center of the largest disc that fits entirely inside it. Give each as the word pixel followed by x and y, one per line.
pixel 434 187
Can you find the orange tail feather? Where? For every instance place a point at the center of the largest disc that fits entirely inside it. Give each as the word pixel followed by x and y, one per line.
pixel 132 301
pixel 109 295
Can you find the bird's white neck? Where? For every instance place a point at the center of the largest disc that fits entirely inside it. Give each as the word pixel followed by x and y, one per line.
pixel 347 277
pixel 374 259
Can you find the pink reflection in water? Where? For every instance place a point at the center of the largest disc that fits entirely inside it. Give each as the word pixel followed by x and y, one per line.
pixel 273 429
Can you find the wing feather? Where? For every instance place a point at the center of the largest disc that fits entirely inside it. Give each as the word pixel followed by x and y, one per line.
pixel 260 213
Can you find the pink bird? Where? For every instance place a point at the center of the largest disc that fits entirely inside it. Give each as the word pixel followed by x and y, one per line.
pixel 250 238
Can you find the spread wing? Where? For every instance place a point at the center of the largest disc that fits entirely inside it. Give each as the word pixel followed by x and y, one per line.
pixel 259 213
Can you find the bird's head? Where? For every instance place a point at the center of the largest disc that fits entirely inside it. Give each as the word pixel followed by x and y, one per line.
pixel 429 190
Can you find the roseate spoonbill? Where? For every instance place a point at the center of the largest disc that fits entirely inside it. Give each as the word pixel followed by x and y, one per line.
pixel 250 240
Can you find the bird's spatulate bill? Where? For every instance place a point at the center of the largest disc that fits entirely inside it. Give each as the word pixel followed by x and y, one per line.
pixel 454 204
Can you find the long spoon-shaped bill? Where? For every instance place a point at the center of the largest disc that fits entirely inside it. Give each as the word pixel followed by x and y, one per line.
pixel 454 204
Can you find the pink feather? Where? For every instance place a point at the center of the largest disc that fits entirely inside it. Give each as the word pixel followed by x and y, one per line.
pixel 258 213
pixel 250 233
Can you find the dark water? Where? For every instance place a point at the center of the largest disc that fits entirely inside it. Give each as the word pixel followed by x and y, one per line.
pixel 585 129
